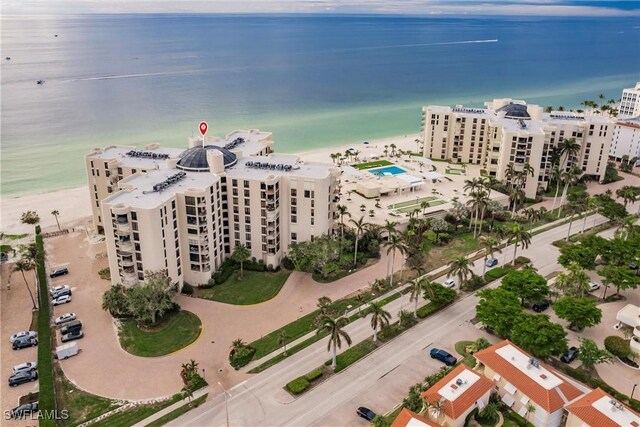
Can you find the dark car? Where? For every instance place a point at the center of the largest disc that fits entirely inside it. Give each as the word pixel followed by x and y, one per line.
pixel 24 343
pixel 24 410
pixel 60 271
pixel 491 262
pixel 443 356
pixel 22 377
pixel 73 335
pixel 366 413
pixel 540 306
pixel 570 355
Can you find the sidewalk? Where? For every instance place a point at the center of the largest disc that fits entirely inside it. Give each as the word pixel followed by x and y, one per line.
pixel 434 274
pixel 173 407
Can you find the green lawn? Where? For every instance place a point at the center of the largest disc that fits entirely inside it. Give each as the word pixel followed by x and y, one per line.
pixel 352 355
pixel 437 256
pixel 80 405
pixel 254 288
pixel 14 236
pixel 134 415
pixel 174 332
pixel 468 360
pixel 454 171
pixel 177 412
pixel 414 207
pixel 374 164
pixel 578 188
pixel 6 248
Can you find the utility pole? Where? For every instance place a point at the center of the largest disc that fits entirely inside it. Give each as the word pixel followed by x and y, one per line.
pixel 226 403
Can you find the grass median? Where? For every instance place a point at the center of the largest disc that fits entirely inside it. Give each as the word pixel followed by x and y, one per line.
pixel 178 412
pixel 176 331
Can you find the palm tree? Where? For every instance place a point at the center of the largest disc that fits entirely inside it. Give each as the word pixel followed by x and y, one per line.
pixel 187 391
pixel 556 175
pixel 516 196
pixel 627 194
pixel 418 287
pixel 393 149
pixel 520 235
pixel 568 148
pixel 282 341
pixel 530 409
pixel 460 267
pixel 563 283
pixel 490 246
pixel 334 327
pixel 55 214
pixel 436 408
pixel 22 265
pixel 395 243
pixel 628 226
pixel 478 201
pixel 503 234
pixel 569 178
pixel 324 304
pixel 342 211
pixel 471 186
pixel 390 227
pixel 424 205
pixel 358 226
pixel 379 318
pixel 240 255
pixel 578 280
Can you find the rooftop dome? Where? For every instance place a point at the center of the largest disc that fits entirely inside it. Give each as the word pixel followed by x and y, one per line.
pixel 195 158
pixel 515 111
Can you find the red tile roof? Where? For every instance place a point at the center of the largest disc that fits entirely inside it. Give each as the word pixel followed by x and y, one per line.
pixel 549 400
pixel 454 409
pixel 583 409
pixel 406 415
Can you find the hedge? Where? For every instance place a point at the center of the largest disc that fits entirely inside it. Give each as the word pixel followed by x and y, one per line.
pixel 229 266
pixel 240 358
pixel 298 385
pixel 46 398
pixel 617 346
pixel 496 273
pixel 313 375
pixel 352 355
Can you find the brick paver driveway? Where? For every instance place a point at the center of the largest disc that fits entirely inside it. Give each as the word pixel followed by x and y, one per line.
pixel 105 369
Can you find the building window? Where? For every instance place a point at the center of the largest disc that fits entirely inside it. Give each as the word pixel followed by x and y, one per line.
pixel 294 236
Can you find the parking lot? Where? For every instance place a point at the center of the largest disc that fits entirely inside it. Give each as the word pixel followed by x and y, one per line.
pixel 16 316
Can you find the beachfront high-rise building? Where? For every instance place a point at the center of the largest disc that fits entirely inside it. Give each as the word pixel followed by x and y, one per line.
pixel 508 132
pixel 630 102
pixel 626 139
pixel 186 210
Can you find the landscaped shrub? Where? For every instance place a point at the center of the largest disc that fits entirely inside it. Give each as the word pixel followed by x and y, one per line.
pixel 30 217
pixel 187 289
pixel 298 385
pixel 617 346
pixel 352 355
pixel 496 273
pixel 224 272
pixel 522 260
pixel 313 375
pixel 475 282
pixel 105 274
pixel 241 357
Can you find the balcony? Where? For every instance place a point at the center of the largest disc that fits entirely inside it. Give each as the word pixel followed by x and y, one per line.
pixel 126 262
pixel 202 240
pixel 123 228
pixel 129 280
pixel 122 219
pixel 129 271
pixel 272 215
pixel 124 245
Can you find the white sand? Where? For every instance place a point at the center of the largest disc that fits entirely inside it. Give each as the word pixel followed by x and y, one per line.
pixel 74 204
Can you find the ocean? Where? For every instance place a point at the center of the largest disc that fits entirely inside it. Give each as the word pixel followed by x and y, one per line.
pixel 314 81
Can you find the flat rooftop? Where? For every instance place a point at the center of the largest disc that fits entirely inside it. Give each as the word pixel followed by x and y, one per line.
pixel 519 360
pixel 252 145
pixel 245 168
pixel 138 191
pixel 119 153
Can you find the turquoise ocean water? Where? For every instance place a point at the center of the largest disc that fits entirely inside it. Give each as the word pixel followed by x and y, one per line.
pixel 314 81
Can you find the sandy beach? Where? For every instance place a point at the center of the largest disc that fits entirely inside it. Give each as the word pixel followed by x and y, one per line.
pixel 74 204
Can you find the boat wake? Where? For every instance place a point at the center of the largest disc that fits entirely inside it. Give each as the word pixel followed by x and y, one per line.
pixel 395 46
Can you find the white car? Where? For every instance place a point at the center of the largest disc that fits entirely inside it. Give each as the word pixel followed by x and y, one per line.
pixel 58 289
pixel 24 367
pixel 593 286
pixel 62 300
pixel 67 317
pixel 23 334
pixel 449 283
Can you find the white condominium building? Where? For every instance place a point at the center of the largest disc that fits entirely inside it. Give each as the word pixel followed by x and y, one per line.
pixel 508 132
pixel 630 102
pixel 186 210
pixel 626 138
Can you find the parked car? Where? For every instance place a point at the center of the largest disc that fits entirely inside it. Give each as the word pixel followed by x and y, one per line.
pixel 366 413
pixel 23 334
pixel 67 317
pixel 59 271
pixel 540 306
pixel 491 262
pixel 73 335
pixel 570 355
pixel 58 288
pixel 443 356
pixel 24 410
pixel 62 300
pixel 449 283
pixel 22 377
pixel 27 366
pixel 73 326
pixel 24 343
pixel 593 286
pixel 61 292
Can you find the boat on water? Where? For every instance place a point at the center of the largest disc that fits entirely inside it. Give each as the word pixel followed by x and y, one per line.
pixel 40 82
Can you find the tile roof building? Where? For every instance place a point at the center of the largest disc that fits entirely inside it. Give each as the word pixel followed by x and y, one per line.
pixel 407 418
pixel 598 409
pixel 528 386
pixel 458 393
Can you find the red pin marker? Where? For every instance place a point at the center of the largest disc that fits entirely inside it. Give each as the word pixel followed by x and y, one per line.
pixel 203 128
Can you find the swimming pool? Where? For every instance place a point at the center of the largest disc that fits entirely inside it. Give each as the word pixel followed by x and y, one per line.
pixel 387 170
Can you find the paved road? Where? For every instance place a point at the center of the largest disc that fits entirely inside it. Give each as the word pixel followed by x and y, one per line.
pixel 262 401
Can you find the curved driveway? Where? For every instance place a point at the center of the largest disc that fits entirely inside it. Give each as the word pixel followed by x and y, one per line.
pixel 103 368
